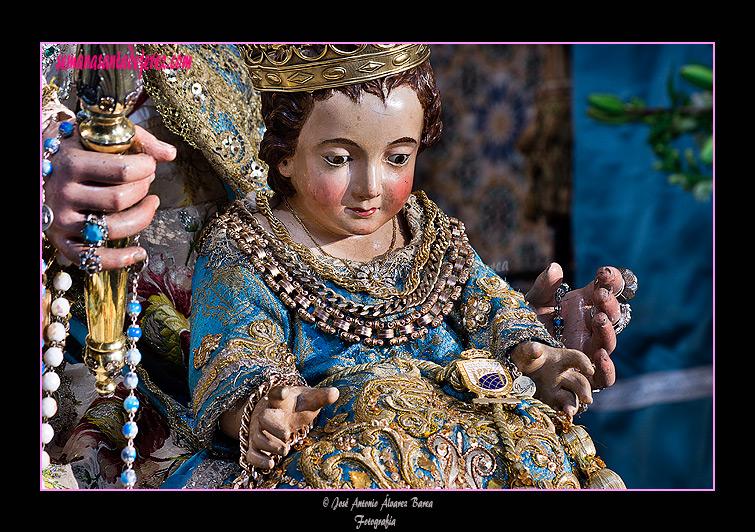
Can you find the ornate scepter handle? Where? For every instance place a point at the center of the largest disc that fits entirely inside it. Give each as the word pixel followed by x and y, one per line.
pixel 107 91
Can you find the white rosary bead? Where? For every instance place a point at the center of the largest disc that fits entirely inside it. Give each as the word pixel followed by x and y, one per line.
pixel 53 357
pixel 62 281
pixel 50 381
pixel 60 307
pixel 49 407
pixel 131 380
pixel 45 460
pixel 133 357
pixel 56 332
pixel 47 433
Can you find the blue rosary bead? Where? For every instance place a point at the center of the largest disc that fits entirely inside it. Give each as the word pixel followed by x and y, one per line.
pixel 134 332
pixel 128 454
pixel 65 129
pixel 52 145
pixel 128 477
pixel 131 404
pixel 130 430
pixel 131 380
pixel 133 357
pixel 134 308
pixel 46 168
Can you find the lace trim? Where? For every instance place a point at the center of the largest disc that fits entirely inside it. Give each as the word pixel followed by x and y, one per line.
pixel 213 106
pixel 218 249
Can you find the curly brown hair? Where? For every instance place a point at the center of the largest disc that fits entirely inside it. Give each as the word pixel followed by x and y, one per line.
pixel 284 115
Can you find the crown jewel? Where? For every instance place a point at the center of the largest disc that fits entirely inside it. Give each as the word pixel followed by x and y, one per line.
pixel 308 67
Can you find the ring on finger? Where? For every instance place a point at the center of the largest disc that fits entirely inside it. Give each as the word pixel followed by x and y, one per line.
pixel 89 261
pixel 624 318
pixel 558 320
pixel 95 232
pixel 581 407
pixel 628 285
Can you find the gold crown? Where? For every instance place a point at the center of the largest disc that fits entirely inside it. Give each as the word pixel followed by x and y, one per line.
pixel 308 67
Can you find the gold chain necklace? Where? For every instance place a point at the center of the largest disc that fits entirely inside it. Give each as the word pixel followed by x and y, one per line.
pixel 352 321
pixel 345 262
pixel 435 241
pixel 351 283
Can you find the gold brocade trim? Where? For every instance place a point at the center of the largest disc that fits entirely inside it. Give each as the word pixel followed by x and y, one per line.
pixel 416 422
pixel 173 410
pixel 202 353
pixel 475 313
pixel 266 342
pixel 202 104
pixel 49 93
pixel 498 288
pixel 524 315
pixel 265 347
pixel 211 374
pixel 407 434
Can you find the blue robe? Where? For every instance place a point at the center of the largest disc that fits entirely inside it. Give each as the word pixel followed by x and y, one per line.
pixel 396 424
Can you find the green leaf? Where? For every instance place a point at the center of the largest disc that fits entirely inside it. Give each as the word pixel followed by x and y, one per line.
pixel 608 118
pixel 607 103
pixel 706 152
pixel 685 124
pixel 699 75
pixel 703 190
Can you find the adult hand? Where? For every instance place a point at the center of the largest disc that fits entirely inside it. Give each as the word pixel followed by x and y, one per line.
pixel 560 375
pixel 84 182
pixel 588 313
pixel 278 416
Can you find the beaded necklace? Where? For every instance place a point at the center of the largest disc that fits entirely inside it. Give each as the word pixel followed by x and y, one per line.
pixel 56 331
pixel 405 317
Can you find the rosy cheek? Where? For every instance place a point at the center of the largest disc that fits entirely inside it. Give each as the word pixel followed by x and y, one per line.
pixel 401 188
pixel 327 192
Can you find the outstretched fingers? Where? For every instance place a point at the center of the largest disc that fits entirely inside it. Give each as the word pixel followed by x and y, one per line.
pixel 291 408
pixel 316 398
pixel 543 291
pixel 604 301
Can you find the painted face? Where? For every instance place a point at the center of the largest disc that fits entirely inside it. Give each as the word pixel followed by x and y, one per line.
pixel 353 168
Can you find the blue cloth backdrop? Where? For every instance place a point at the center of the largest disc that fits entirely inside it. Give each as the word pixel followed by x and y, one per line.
pixel 655 425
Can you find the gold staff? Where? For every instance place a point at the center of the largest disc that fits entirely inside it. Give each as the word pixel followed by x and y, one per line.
pixel 107 87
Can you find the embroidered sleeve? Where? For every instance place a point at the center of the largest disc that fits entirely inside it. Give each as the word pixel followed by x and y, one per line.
pixel 240 338
pixel 496 317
